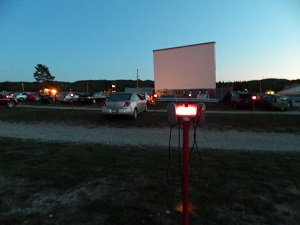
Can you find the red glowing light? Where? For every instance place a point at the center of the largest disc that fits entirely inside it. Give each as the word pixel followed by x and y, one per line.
pixel 186 110
pixel 192 208
pixel 253 97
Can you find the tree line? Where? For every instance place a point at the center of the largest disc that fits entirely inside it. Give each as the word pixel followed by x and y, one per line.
pixel 104 85
pixel 44 79
pixel 78 86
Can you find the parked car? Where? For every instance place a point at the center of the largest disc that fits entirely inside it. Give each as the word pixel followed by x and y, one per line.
pixel 240 99
pixel 34 96
pixel 123 103
pixel 92 97
pixel 48 95
pixel 46 98
pixel 22 96
pixel 9 100
pixel 275 102
pixel 9 94
pixel 66 97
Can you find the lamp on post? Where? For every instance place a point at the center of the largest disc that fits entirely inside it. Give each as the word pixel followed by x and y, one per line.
pixel 72 99
pixel 186 112
pixel 253 102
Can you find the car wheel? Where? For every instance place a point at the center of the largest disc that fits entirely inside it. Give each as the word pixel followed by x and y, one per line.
pixel 146 108
pixel 10 104
pixel 94 101
pixel 135 114
pixel 283 109
pixel 21 99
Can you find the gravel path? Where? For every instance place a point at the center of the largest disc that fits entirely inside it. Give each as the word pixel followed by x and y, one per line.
pixel 229 140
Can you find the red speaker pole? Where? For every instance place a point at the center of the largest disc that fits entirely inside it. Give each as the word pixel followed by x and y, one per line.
pixel 186 112
pixel 185 171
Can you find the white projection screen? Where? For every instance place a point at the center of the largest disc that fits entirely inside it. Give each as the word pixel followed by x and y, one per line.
pixel 185 67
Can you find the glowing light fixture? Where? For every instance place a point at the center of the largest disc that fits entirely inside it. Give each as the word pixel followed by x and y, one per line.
pixel 186 110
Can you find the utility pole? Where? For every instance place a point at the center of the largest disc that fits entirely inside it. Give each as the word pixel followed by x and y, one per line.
pixel 137 78
pixel 260 85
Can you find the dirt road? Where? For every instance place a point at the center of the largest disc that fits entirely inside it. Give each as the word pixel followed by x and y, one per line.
pixel 229 140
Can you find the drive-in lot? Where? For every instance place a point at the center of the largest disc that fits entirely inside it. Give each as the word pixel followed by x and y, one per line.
pixel 239 130
pixel 67 167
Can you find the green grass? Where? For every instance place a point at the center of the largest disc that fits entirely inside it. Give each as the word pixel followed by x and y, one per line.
pixel 60 183
pixel 251 122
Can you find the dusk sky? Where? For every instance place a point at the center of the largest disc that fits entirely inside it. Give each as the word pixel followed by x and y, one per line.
pixel 92 40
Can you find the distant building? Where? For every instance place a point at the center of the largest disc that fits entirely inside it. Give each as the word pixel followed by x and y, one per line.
pixel 292 92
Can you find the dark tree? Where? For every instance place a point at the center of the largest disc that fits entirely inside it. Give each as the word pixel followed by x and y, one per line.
pixel 42 74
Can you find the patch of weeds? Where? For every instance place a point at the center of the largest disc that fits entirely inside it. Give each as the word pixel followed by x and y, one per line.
pixel 61 183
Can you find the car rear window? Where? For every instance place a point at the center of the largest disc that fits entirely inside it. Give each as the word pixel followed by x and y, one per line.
pixel 245 96
pixel 120 97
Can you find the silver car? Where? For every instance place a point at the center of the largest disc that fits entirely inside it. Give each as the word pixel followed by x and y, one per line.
pixel 66 97
pixel 123 103
pixel 275 102
pixel 21 96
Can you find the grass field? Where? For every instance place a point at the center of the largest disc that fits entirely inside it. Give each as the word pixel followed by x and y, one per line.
pixel 64 183
pixel 251 122
pixel 57 183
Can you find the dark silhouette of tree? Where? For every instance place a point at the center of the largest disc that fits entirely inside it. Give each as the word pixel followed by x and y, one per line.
pixel 42 74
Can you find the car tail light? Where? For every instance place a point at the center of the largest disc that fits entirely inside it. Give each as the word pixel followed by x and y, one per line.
pixel 103 104
pixel 127 104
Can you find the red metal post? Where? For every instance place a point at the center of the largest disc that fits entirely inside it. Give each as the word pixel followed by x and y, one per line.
pixel 185 171
pixel 72 103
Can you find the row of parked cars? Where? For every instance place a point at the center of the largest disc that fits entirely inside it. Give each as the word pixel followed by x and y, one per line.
pixel 121 103
pixel 239 99
pixel 11 99
pixel 86 97
pixel 134 103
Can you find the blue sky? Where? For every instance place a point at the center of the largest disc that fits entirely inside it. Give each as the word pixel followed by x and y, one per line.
pixel 87 39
